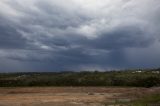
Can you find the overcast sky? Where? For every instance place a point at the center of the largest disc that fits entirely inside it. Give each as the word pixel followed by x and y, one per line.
pixel 58 35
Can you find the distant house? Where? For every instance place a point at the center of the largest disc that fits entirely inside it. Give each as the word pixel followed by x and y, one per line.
pixel 139 71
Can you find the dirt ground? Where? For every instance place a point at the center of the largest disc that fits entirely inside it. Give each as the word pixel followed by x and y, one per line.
pixel 68 96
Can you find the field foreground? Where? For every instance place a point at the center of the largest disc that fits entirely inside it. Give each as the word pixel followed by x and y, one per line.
pixel 70 96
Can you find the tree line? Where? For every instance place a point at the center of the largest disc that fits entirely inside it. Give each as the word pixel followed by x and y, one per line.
pixel 128 78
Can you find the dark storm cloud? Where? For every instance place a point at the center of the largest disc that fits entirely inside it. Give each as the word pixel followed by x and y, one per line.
pixel 37 35
pixel 9 37
pixel 124 37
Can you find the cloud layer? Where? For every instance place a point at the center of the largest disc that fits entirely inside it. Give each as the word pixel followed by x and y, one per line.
pixel 50 35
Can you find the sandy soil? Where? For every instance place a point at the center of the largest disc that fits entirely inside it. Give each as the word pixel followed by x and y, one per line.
pixel 68 96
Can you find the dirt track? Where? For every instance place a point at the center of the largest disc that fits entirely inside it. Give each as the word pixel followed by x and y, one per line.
pixel 67 96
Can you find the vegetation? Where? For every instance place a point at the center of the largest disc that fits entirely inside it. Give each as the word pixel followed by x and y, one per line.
pixel 137 78
pixel 145 100
pixel 149 100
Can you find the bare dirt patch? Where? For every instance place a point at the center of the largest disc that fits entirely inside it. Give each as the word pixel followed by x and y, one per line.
pixel 68 96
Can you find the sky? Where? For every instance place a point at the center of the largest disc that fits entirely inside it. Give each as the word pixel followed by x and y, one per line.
pixel 63 35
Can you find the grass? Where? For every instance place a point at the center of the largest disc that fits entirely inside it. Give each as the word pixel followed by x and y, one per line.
pixel 152 99
pixel 145 100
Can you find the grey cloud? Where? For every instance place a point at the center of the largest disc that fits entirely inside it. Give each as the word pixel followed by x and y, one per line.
pixel 124 37
pixel 10 38
pixel 83 34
